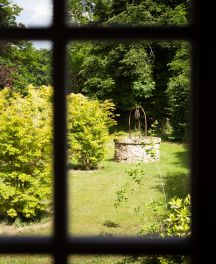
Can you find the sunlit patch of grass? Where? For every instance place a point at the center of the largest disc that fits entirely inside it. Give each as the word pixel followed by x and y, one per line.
pixel 26 259
pixel 92 193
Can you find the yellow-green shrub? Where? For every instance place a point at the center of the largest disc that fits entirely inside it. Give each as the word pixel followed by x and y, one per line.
pixel 26 145
pixel 25 152
pixel 88 129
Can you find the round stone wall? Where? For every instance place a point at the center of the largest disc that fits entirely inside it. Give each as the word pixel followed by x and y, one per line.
pixel 130 150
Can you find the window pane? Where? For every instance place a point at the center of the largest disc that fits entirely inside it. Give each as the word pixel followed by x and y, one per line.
pixel 129 259
pixel 26 139
pixel 19 13
pixel 142 12
pixel 128 138
pixel 16 259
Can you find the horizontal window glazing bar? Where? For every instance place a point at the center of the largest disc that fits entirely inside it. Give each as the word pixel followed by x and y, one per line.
pixel 122 245
pixel 96 245
pixel 91 33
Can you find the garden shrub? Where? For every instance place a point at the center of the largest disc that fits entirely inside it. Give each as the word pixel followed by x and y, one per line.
pixel 26 145
pixel 88 129
pixel 176 221
pixel 25 152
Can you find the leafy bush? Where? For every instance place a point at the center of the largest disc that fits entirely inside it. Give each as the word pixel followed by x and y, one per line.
pixel 26 145
pixel 25 152
pixel 179 218
pixel 88 129
pixel 175 222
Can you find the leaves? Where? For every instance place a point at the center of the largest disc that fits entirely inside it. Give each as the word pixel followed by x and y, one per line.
pixel 88 129
pixel 8 13
pixel 178 221
pixel 25 152
pixel 179 91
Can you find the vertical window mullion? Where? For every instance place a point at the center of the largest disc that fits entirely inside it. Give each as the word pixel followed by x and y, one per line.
pixel 60 186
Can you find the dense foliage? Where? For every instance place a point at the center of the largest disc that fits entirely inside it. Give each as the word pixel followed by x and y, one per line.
pixel 177 223
pixel 178 92
pixel 8 13
pixel 21 63
pixel 129 11
pixel 88 129
pixel 152 74
pixel 25 152
pixel 26 145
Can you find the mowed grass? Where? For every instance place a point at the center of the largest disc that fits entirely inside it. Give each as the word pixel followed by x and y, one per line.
pixel 25 259
pixel 92 195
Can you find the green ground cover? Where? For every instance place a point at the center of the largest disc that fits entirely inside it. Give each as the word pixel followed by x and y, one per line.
pixel 92 195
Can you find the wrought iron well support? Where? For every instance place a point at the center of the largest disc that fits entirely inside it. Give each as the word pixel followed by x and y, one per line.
pixel 137 117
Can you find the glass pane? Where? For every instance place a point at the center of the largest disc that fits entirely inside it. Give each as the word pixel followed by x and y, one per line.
pixel 19 13
pixel 128 138
pixel 124 12
pixel 76 259
pixel 26 259
pixel 26 139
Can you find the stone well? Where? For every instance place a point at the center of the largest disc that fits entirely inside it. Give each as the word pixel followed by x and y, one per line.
pixel 132 149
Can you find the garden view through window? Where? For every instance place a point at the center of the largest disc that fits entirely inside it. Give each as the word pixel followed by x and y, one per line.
pixel 122 181
pixel 128 128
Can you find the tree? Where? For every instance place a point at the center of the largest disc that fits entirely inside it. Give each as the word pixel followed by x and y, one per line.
pixel 8 13
pixel 81 11
pixel 25 152
pixel 126 84
pixel 23 64
pixel 179 91
pixel 20 62
pixel 32 66
pixel 129 74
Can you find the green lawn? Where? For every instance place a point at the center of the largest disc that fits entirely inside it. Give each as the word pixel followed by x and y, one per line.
pixel 92 195
pixel 25 260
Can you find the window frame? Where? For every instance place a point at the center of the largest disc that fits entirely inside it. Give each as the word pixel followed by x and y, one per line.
pixel 60 245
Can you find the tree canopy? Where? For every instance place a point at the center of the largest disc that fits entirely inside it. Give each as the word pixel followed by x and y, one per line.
pixel 153 74
pixel 20 63
pixel 130 11
pixel 149 73
pixel 8 13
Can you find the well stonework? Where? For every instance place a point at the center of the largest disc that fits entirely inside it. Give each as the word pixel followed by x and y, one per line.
pixel 130 150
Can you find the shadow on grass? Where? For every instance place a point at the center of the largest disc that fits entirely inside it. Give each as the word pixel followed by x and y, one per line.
pixel 76 166
pixel 19 221
pixel 111 159
pixel 183 159
pixel 177 183
pixel 71 166
pixel 110 224
pixel 153 259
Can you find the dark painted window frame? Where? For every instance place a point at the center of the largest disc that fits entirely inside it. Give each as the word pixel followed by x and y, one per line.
pixel 60 245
